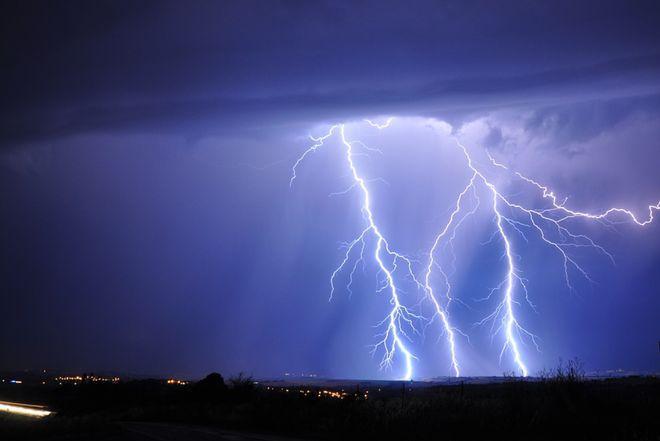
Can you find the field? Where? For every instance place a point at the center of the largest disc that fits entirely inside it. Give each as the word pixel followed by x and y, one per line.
pixel 553 408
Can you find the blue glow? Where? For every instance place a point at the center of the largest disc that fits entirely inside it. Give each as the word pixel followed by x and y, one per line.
pixel 403 322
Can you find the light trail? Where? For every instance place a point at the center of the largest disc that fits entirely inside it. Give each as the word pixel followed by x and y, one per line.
pixel 24 409
pixel 549 224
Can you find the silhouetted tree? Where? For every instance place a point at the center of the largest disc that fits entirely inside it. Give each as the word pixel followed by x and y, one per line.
pixel 212 387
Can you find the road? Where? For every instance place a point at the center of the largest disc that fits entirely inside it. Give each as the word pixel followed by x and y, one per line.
pixel 172 432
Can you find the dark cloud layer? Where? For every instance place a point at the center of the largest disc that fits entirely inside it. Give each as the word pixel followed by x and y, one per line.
pixel 103 66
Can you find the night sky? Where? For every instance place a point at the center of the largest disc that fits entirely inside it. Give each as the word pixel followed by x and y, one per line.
pixel 147 224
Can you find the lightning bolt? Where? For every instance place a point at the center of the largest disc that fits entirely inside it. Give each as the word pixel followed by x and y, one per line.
pixel 382 126
pixel 400 321
pixel 543 221
pixel 439 310
pixel 549 222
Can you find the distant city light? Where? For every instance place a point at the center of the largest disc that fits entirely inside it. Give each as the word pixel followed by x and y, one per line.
pixel 178 382
pixel 75 379
pixel 320 393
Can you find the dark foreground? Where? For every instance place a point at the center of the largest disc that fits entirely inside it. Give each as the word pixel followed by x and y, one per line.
pixel 552 409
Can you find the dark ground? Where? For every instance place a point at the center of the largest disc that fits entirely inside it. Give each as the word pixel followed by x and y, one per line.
pixel 557 408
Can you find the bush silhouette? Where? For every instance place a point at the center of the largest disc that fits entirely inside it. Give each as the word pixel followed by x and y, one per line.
pixel 242 386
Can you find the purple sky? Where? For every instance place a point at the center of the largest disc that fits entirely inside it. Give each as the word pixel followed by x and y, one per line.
pixel 145 151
